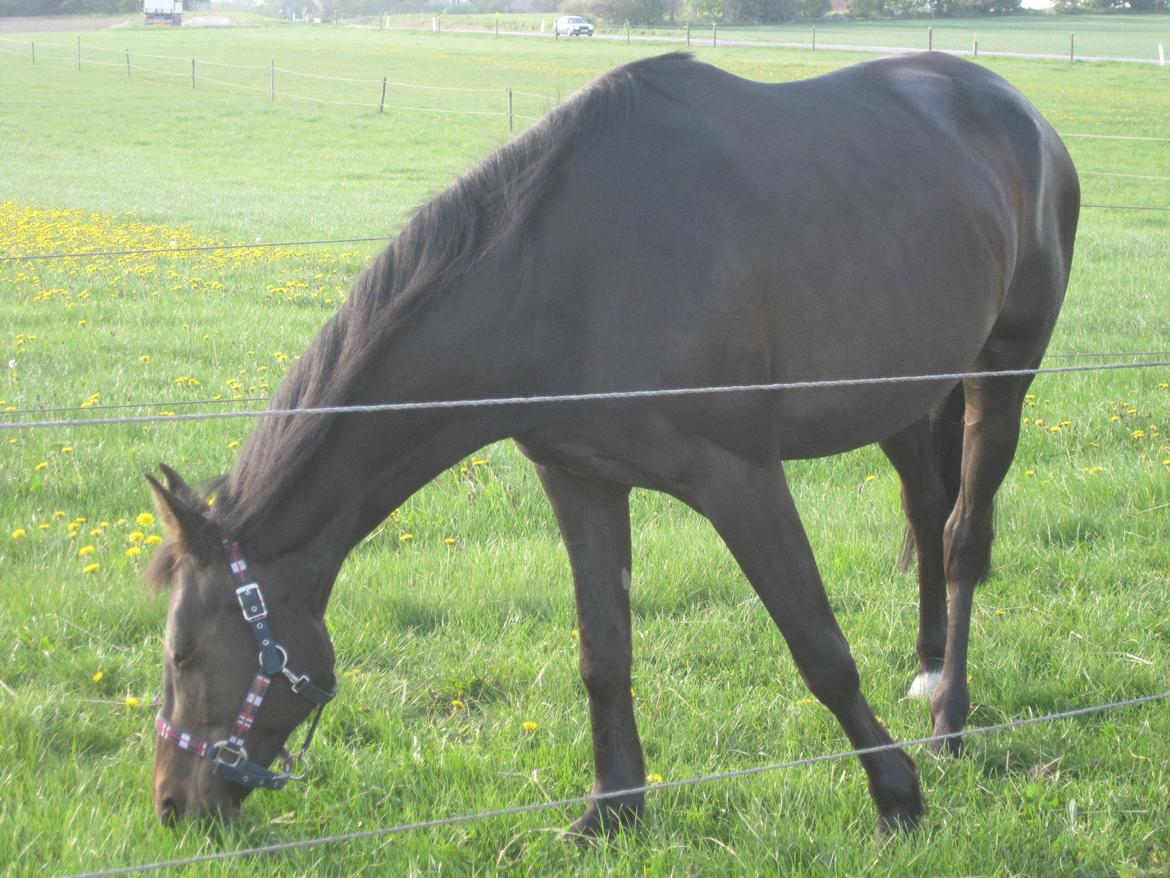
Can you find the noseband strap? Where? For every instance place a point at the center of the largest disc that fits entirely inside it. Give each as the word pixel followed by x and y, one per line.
pixel 230 757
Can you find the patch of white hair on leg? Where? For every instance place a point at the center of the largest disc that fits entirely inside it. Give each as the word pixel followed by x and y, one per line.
pixel 924 684
pixel 625 579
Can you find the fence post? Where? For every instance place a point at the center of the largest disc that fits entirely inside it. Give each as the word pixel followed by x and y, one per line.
pixel 688 34
pixel 1161 55
pixel 34 50
pixel 974 45
pixel 192 74
pixel 714 36
pixel 79 53
pixel 1071 43
pixel 382 102
pixel 127 63
pixel 272 79
pixel 814 38
pixel 930 39
pixel 509 109
pixel 497 24
pixel 627 31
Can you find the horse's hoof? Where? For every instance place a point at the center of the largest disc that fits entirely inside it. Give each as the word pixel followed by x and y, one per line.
pixel 946 744
pixel 902 818
pixel 602 820
pixel 924 684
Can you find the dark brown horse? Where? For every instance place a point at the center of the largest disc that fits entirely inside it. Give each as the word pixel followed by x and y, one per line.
pixel 670 226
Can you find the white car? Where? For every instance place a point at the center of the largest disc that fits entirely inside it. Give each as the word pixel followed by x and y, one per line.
pixel 573 26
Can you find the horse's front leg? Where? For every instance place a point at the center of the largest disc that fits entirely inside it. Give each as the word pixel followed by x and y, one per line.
pixel 594 518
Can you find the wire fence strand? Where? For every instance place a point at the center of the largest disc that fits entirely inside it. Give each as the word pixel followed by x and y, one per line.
pixel 83 254
pixel 544 399
pixel 362 835
pixel 246 400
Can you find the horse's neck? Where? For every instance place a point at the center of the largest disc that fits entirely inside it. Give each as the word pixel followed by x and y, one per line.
pixel 371 463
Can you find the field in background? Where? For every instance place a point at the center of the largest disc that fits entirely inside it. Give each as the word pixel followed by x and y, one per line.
pixel 446 651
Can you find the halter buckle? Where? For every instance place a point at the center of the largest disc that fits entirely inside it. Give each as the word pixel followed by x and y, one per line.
pixel 251 602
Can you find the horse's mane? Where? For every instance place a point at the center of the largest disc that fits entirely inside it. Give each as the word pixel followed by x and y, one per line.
pixel 487 208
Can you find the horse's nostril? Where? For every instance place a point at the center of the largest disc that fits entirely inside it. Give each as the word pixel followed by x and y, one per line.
pixel 168 812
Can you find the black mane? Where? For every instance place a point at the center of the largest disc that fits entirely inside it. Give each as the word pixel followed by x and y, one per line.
pixel 486 208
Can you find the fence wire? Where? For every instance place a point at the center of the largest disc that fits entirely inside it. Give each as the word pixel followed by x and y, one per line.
pixel 544 399
pixel 344 838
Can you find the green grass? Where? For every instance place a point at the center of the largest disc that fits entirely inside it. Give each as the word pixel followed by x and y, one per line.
pixel 1128 36
pixel 1075 614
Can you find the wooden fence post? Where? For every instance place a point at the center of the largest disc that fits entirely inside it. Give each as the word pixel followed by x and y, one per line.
pixel 272 79
pixel 714 36
pixel 1071 39
pixel 127 63
pixel 688 34
pixel 382 102
pixel 814 38
pixel 509 109
pixel 79 53
pixel 930 39
pixel 192 74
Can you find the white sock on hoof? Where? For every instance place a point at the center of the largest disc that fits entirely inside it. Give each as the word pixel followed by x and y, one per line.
pixel 924 684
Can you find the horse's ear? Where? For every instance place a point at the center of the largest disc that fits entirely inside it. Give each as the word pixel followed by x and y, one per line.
pixel 183 511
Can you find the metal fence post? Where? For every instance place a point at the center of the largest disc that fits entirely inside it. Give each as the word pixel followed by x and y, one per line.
pixel 382 103
pixel 509 109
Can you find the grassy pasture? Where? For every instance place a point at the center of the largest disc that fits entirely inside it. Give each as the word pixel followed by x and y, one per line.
pixel 1130 36
pixel 446 651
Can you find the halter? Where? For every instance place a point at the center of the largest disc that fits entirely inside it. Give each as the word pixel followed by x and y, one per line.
pixel 230 757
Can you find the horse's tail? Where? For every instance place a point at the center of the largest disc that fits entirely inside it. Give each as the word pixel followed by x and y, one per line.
pixel 946 434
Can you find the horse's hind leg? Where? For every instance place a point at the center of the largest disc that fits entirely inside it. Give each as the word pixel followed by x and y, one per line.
pixel 594 518
pixel 752 509
pixel 926 456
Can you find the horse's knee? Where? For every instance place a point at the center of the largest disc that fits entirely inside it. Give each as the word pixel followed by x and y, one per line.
pixel 967 549
pixel 831 674
pixel 605 673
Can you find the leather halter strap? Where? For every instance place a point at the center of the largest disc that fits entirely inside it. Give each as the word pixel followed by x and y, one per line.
pixel 230 757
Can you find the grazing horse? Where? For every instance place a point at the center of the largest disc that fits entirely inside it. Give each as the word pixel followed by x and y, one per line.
pixel 670 226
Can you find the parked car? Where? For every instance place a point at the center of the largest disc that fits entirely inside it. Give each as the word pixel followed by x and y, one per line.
pixel 573 26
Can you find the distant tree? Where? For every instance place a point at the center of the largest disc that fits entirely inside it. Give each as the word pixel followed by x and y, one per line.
pixel 865 8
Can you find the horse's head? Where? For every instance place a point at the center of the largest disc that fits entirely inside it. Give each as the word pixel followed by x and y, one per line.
pixel 246 659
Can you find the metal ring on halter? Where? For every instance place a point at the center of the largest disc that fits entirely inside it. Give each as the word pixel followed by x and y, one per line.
pixel 224 747
pixel 289 765
pixel 283 669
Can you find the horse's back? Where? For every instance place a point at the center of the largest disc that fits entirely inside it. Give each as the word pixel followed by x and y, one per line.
pixel 864 223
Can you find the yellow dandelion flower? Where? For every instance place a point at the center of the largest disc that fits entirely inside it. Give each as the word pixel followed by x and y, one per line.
pixel 144 519
pixel 803 701
pixel 132 702
pixel 1139 434
pixel 450 541
pixel 91 568
pixel 480 462
pixel 457 704
pixel 97 677
pixel 133 552
pixel 529 726
pixel 654 777
pixel 1029 473
pixel 575 634
pixel 40 466
pixel 136 536
pixel 405 538
pixel 153 540
pixel 871 478
pixel 18 534
pixel 144 359
pixel 85 550
pixel 235 443
pixel 58 514
pixel 66 449
pixel 1000 611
